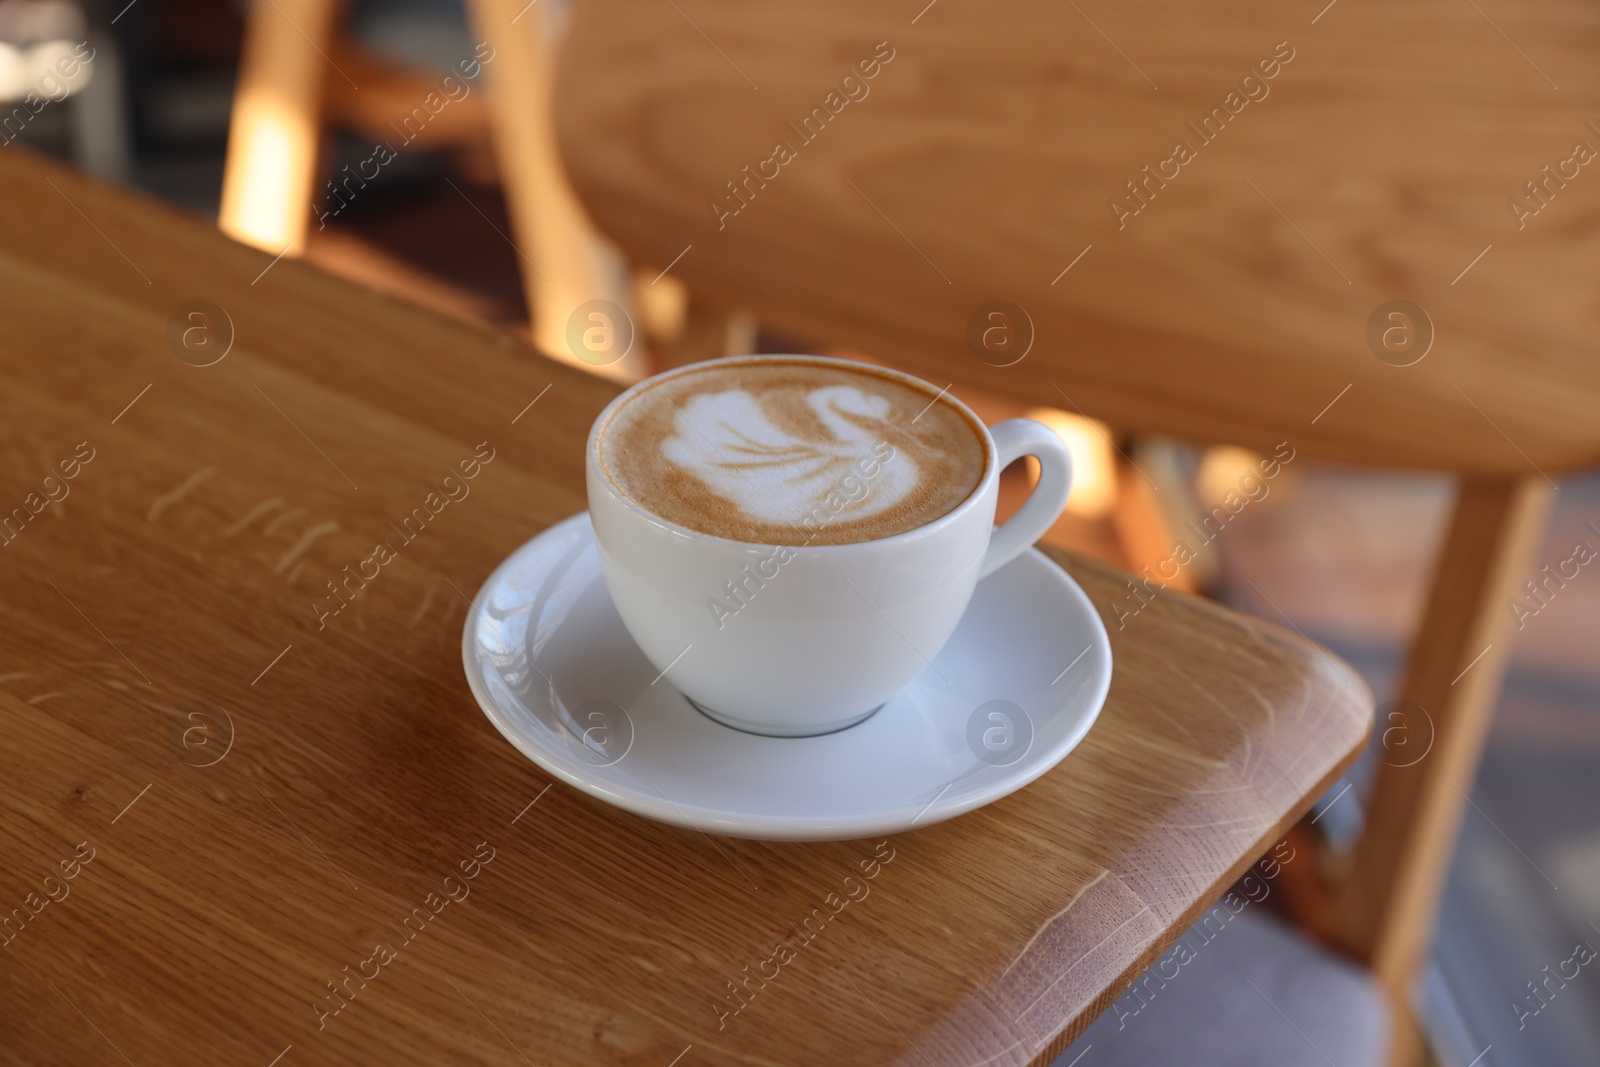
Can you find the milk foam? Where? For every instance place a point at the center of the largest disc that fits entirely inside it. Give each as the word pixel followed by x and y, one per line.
pixel 728 442
pixel 792 451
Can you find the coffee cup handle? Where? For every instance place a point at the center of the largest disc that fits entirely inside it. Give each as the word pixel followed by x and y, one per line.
pixel 1014 439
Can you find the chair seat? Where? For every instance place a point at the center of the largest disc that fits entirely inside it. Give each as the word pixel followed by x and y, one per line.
pixel 1195 1005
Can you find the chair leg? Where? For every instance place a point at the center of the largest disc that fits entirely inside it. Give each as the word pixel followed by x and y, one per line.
pixel 269 177
pixel 101 129
pixel 566 262
pixel 709 333
pixel 1154 505
pixel 1385 914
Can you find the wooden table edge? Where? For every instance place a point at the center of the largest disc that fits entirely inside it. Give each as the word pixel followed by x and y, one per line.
pixel 1075 1027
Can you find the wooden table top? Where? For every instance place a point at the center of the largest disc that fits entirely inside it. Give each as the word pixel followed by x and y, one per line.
pixel 214 811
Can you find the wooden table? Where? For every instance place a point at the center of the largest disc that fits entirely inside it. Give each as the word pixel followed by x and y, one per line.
pixel 248 802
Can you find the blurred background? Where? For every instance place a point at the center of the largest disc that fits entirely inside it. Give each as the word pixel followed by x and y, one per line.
pixel 1342 555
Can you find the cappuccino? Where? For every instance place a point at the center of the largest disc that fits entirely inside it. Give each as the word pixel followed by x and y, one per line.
pixel 792 451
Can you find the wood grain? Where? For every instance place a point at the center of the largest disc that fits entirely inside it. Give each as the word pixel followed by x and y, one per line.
pixel 1234 306
pixel 266 800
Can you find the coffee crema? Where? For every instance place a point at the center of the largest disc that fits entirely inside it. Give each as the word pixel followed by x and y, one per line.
pixel 792 452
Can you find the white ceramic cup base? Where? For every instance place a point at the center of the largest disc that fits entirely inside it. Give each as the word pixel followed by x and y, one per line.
pixel 765 730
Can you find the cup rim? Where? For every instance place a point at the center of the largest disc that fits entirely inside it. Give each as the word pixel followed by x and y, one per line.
pixel 928 529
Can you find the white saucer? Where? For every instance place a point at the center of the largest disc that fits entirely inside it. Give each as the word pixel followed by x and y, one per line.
pixel 552 666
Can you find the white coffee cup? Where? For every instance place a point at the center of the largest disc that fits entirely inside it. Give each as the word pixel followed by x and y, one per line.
pixel 829 632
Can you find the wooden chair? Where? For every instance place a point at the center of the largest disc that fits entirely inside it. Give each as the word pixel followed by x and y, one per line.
pixel 302 75
pixel 877 178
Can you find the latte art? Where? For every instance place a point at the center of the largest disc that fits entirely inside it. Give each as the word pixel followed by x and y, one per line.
pixel 792 452
pixel 728 442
